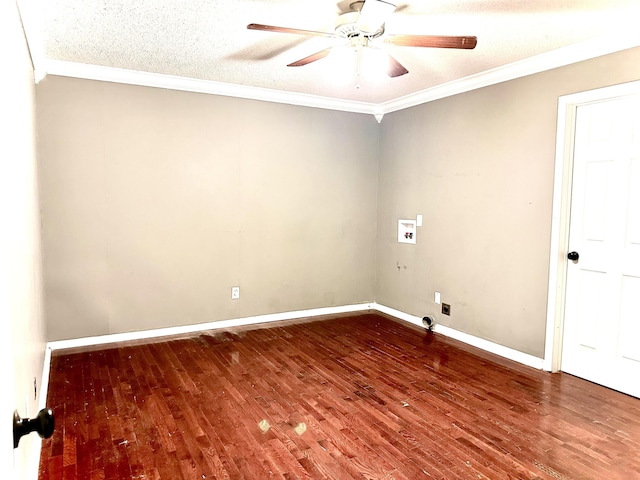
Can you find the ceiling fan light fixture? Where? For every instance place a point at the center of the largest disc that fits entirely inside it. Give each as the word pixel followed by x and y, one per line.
pixel 341 63
pixel 375 64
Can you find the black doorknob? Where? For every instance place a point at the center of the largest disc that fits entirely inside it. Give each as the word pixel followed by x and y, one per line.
pixel 574 256
pixel 43 424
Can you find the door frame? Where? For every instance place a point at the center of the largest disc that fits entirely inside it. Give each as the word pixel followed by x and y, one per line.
pixel 561 211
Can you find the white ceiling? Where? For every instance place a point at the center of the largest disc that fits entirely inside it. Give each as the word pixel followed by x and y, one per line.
pixel 203 41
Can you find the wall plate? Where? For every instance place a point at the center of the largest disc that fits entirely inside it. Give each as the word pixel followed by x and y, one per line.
pixel 407 231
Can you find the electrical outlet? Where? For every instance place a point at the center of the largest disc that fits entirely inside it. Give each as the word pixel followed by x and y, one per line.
pixel 446 309
pixel 235 293
pixel 436 298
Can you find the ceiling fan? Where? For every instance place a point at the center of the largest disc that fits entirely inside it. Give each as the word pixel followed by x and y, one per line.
pixel 363 28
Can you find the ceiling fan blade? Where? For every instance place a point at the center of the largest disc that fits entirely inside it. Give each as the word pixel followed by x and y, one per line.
pixel 395 68
pixel 297 31
pixel 311 58
pixel 373 15
pixel 433 41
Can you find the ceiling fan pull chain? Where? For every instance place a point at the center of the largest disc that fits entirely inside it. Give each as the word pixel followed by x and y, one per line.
pixel 358 65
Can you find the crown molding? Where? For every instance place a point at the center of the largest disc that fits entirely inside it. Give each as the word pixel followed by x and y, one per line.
pixel 539 63
pixel 172 82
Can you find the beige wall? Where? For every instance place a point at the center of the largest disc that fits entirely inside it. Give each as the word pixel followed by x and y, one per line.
pixel 479 167
pixel 156 202
pixel 21 323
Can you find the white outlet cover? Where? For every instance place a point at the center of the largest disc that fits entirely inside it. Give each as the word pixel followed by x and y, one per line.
pixel 235 293
pixel 436 298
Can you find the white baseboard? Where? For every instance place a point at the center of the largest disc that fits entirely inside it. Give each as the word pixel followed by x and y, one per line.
pixel 478 342
pixel 183 329
pixel 501 350
pixel 44 379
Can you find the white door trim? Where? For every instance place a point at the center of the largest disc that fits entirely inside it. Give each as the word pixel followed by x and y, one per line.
pixel 567 107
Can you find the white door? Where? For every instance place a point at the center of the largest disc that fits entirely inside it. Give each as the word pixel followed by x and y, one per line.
pixel 601 339
pixel 9 31
pixel 7 406
pixel 7 396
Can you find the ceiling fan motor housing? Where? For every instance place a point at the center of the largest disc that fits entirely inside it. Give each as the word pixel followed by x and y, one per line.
pixel 346 27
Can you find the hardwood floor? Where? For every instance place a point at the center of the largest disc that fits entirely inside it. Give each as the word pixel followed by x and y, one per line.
pixel 351 397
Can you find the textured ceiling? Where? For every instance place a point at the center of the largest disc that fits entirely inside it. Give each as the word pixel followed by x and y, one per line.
pixel 208 39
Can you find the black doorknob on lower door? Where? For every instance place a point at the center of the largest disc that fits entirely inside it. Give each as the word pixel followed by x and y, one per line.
pixel 43 424
pixel 573 256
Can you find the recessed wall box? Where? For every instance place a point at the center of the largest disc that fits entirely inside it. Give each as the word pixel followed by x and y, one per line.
pixel 407 231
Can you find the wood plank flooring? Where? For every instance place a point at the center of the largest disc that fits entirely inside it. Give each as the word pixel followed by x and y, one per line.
pixel 349 397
